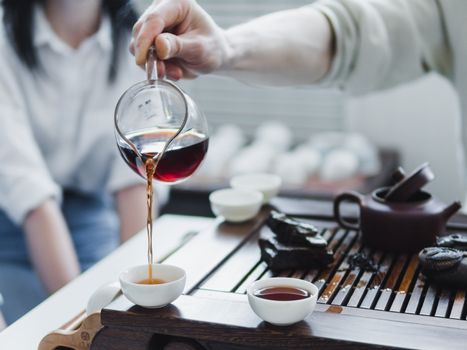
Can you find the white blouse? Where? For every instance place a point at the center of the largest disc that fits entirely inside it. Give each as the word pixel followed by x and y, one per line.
pixel 56 125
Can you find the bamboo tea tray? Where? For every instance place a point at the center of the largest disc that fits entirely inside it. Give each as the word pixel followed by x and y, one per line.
pixel 391 308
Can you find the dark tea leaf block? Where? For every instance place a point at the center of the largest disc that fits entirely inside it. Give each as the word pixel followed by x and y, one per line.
pixel 293 232
pixel 280 256
pixel 292 244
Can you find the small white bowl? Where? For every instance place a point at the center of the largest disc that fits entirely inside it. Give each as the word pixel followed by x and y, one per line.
pixel 268 184
pixel 153 295
pixel 282 313
pixel 236 205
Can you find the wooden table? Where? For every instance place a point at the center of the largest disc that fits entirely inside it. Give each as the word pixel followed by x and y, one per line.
pixel 393 308
pixel 170 232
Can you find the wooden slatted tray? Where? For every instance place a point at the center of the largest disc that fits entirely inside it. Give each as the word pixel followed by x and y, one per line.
pixel 397 286
pixel 394 307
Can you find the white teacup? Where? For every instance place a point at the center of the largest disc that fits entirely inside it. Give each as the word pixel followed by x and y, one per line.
pixel 278 312
pixel 236 205
pixel 153 295
pixel 268 184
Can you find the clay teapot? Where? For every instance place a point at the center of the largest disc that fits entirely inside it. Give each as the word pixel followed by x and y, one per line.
pixel 398 226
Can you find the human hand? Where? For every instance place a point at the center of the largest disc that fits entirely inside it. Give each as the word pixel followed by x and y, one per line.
pixel 187 39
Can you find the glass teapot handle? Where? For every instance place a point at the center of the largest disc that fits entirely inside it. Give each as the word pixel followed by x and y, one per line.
pixel 152 76
pixel 151 64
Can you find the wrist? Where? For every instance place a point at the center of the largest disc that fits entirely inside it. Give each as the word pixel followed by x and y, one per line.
pixel 227 62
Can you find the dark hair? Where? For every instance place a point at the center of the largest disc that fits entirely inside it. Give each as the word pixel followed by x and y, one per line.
pixel 18 19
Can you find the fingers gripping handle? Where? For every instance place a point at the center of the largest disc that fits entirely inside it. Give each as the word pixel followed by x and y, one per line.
pixel 352 197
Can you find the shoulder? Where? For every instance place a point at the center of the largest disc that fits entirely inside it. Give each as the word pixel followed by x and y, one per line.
pixel 7 51
pixel 12 68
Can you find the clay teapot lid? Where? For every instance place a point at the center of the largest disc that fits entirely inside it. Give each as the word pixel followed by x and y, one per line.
pixel 407 186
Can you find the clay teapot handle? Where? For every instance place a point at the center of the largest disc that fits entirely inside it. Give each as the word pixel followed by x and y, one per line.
pixel 347 197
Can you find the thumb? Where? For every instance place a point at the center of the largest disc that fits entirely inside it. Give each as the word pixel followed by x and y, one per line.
pixel 172 46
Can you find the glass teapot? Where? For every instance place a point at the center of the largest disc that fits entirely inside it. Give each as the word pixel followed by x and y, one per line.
pixel 155 120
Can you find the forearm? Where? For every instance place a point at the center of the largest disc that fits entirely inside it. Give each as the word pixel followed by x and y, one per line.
pixel 132 210
pixel 50 246
pixel 293 47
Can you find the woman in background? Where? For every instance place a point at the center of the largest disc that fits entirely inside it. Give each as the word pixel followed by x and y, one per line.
pixel 65 194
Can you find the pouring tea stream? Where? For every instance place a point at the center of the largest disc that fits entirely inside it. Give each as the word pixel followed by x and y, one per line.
pixel 161 134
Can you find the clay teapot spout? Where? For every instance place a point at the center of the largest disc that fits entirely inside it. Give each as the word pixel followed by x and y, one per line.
pixel 451 210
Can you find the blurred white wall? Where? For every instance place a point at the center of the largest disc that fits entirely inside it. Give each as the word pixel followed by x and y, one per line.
pixel 422 120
